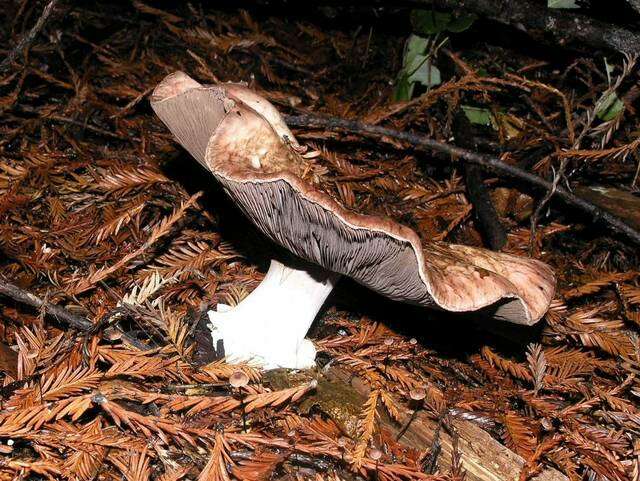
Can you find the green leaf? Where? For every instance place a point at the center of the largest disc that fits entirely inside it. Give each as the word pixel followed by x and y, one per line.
pixel 415 46
pixel 422 71
pixel 416 68
pixel 429 22
pixel 610 108
pixel 562 4
pixel 403 90
pixel 477 115
pixel 461 23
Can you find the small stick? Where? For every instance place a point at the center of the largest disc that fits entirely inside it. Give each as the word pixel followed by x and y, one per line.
pixel 487 162
pixel 493 232
pixel 60 313
pixel 28 39
pixel 562 27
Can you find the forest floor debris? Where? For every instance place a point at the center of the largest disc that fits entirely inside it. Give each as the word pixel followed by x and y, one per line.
pixel 103 215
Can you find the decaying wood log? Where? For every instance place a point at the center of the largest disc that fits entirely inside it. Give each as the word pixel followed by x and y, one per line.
pixel 483 458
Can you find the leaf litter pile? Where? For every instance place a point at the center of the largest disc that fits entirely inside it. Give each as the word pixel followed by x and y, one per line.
pixel 104 215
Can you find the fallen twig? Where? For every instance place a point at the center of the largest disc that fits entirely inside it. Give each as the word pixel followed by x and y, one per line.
pixel 493 232
pixel 28 39
pixel 297 459
pixel 59 313
pixel 487 162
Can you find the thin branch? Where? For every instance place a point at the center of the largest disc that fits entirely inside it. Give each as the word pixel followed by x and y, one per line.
pixel 59 313
pixel 536 19
pixel 28 39
pixel 494 234
pixel 487 162
pixel 297 459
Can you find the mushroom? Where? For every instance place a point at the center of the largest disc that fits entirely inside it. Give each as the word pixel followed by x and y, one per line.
pixel 241 139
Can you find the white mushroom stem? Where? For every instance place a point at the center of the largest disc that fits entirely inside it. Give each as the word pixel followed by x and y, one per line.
pixel 267 327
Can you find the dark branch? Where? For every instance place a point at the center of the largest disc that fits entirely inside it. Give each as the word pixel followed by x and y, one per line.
pixel 28 39
pixel 487 162
pixel 59 313
pixel 536 19
pixel 494 234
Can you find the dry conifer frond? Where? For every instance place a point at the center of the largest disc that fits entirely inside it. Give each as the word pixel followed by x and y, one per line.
pixel 518 434
pixel 20 421
pixel 67 382
pixel 537 365
pixel 218 370
pixel 147 425
pixel 435 401
pixel 621 152
pixel 114 221
pixel 259 467
pixel 234 295
pixel 83 465
pixel 24 468
pixel 177 331
pixel 187 260
pixel 366 427
pixel 363 367
pixel 323 433
pixel 616 403
pixel 31 346
pixel 613 440
pixel 174 474
pixel 139 295
pixel 134 465
pixel 598 458
pixel 158 231
pixel 142 366
pixel 631 294
pixel 517 370
pixel 196 404
pixel 402 376
pixel 89 450
pixel 594 331
pixel 369 333
pixel 602 281
pixel 390 404
pixel 277 398
pixel 125 181
pixel 561 355
pixel 216 467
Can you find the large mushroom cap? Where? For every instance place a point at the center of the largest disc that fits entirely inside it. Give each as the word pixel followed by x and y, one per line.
pixel 240 137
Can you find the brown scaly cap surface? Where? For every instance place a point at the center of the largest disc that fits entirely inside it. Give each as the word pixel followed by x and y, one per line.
pixel 240 137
